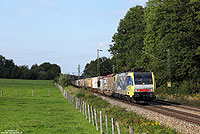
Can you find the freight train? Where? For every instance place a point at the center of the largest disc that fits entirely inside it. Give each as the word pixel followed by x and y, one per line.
pixel 131 86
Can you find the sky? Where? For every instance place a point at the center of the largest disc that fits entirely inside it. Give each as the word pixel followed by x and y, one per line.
pixel 63 32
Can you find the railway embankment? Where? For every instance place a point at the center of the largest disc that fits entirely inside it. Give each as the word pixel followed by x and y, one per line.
pixel 187 122
pixel 125 117
pixel 191 100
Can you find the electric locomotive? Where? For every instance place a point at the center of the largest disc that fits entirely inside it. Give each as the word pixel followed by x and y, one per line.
pixel 135 86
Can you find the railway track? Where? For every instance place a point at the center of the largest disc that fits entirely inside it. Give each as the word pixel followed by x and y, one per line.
pixel 158 108
pixel 192 118
pixel 162 102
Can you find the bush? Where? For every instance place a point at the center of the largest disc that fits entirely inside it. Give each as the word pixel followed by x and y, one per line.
pixel 80 95
pixel 187 87
pixel 162 89
pixel 64 80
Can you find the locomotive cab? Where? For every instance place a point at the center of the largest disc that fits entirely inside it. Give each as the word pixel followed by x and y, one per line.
pixel 144 86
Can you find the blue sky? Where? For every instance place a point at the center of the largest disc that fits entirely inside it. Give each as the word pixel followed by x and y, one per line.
pixel 64 32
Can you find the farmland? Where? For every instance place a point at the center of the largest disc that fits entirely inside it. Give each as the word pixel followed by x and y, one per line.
pixel 42 113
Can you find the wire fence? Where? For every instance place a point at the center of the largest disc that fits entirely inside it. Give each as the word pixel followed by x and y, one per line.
pixel 96 118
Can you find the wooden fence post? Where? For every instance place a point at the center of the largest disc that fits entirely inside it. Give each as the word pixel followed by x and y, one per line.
pixel 101 122
pixel 131 130
pixel 113 126
pixel 92 115
pixel 95 114
pixel 80 105
pixel 106 119
pixel 1 92
pixel 89 113
pixel 85 110
pixel 76 102
pixel 118 128
pixel 32 92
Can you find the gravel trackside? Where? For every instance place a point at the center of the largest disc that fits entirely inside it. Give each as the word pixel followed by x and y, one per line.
pixel 178 125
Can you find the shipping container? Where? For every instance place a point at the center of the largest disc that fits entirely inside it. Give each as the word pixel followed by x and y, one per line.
pixel 110 82
pixel 95 82
pixel 82 82
pixel 105 83
pixel 101 83
pixel 88 83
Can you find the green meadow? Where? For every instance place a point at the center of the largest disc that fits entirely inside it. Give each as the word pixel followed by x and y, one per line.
pixel 20 112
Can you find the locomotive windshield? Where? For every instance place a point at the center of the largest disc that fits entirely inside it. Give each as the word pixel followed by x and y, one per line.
pixel 143 78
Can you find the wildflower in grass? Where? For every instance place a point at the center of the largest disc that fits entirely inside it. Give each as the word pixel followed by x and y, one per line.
pixel 152 124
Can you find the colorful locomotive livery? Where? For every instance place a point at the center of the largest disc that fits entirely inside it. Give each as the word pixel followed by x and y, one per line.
pixel 132 86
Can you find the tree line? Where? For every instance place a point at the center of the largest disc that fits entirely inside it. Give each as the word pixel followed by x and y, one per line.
pixel 162 37
pixel 106 67
pixel 45 71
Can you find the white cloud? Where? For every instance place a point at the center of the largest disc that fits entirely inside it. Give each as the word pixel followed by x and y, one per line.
pixel 102 44
pixel 24 10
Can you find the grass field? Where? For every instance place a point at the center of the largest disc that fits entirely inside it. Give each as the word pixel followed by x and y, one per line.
pixel 40 114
